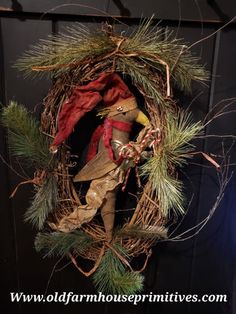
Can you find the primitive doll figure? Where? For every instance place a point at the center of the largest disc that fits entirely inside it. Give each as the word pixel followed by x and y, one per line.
pixel 106 165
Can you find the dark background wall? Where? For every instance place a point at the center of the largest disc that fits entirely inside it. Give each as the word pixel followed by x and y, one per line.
pixel 204 264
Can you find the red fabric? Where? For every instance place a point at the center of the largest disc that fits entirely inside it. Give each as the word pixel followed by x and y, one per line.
pixel 105 130
pixel 108 87
pixel 93 145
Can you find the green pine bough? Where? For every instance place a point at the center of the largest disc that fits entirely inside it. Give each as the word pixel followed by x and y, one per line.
pixel 141 55
pixel 113 277
pixel 44 202
pixel 60 244
pixel 179 131
pixel 27 143
pixel 24 137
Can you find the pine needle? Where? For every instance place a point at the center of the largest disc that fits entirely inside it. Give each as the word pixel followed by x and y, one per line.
pixel 58 53
pixel 44 202
pixel 25 139
pixel 112 276
pixel 174 151
pixel 154 44
pixel 143 232
pixel 61 244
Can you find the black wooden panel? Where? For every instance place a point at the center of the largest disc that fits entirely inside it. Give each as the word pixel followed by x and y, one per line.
pixel 217 240
pixel 210 10
pixel 58 6
pixel 29 93
pixel 62 25
pixel 225 85
pixel 175 9
pixel 8 268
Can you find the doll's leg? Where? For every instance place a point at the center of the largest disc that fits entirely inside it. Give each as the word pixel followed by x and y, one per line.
pixel 108 213
pixel 80 215
pixel 83 213
pixel 101 194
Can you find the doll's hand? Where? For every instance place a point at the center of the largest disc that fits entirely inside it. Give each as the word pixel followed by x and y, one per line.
pixel 53 149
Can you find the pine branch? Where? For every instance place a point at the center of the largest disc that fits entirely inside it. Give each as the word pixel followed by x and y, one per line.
pixel 61 244
pixel 152 44
pixel 174 151
pixel 147 48
pixel 60 52
pixel 25 139
pixel 179 131
pixel 112 277
pixel 44 202
pixel 143 232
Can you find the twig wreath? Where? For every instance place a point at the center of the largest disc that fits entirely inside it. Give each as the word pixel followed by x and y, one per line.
pixel 89 69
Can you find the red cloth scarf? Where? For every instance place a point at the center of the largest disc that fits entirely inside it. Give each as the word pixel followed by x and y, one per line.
pixel 105 131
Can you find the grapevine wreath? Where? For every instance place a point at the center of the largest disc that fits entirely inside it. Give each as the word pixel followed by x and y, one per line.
pixel 116 80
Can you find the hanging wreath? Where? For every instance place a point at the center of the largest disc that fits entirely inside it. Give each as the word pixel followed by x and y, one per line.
pixel 89 71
